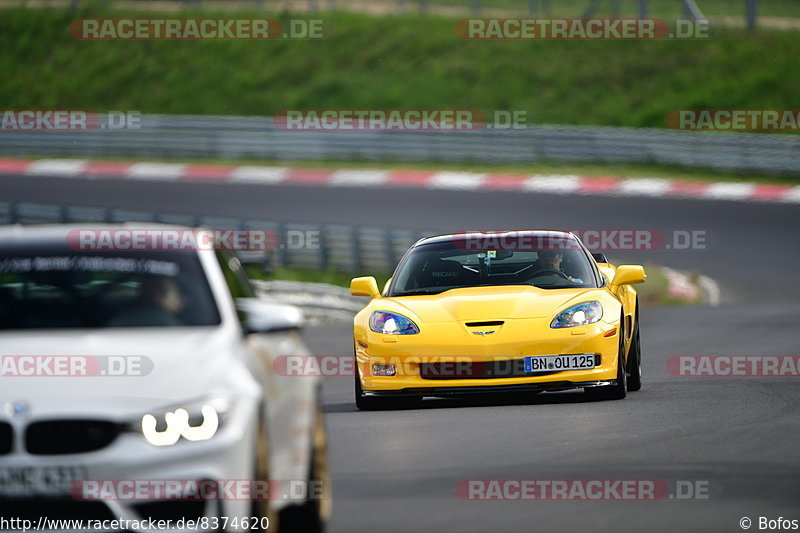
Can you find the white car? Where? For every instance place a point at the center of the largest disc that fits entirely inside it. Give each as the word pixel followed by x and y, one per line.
pixel 140 385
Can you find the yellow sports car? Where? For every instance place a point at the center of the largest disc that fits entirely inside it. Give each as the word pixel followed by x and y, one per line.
pixel 521 311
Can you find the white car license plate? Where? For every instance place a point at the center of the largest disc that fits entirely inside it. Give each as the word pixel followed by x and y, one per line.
pixel 31 480
pixel 555 363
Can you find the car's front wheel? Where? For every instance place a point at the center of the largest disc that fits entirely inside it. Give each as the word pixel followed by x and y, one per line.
pixel 634 369
pixel 371 403
pixel 366 403
pixel 262 508
pixel 313 515
pixel 618 390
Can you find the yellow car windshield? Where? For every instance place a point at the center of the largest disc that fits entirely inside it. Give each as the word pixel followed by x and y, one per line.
pixel 438 267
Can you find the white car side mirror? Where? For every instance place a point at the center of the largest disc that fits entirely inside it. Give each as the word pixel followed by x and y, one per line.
pixel 260 316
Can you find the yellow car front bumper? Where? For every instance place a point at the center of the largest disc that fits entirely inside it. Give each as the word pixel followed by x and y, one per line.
pixel 461 362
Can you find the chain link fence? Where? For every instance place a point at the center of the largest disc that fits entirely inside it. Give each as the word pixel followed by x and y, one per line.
pixel 539 8
pixel 743 12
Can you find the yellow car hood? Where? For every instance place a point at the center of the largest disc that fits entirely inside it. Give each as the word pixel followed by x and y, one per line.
pixel 488 303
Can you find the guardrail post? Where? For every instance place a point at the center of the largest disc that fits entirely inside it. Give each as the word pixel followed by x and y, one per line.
pixel 323 248
pixel 358 264
pixel 313 7
pixel 751 13
pixel 616 8
pixel 280 251
pixel 391 256
pixel 642 9
pixel 591 9
pixel 691 11
pixel 423 7
pixel 475 7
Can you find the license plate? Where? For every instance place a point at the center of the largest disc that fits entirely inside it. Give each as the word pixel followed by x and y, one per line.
pixel 39 480
pixel 555 363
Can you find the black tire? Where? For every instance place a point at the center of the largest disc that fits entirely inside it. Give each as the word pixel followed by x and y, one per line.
pixel 613 392
pixel 634 368
pixel 312 516
pixel 366 403
pixel 371 403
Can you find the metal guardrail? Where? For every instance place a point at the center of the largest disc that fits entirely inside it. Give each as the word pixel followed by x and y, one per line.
pixel 257 138
pixel 320 302
pixel 332 246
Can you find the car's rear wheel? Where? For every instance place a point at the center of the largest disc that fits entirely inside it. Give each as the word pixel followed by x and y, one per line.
pixel 635 358
pixel 313 515
pixel 618 390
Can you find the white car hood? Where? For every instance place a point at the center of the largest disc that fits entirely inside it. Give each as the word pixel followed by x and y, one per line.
pixel 186 364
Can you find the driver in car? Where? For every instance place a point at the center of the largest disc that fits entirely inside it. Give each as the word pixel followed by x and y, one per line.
pixel 161 303
pixel 551 260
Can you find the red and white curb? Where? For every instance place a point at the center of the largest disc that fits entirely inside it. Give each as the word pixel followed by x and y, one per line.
pixel 691 288
pixel 424 179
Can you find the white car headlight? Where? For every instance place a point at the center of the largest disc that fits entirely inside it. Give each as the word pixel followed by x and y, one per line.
pixel 578 315
pixel 193 421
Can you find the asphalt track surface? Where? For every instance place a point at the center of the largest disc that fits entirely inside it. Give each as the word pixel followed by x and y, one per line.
pixel 396 471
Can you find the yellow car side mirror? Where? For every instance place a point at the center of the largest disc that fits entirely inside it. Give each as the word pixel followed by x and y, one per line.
pixel 386 287
pixel 628 275
pixel 366 286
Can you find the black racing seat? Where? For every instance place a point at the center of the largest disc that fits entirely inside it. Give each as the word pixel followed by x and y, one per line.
pixel 442 273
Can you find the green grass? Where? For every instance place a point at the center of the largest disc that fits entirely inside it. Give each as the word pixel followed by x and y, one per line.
pixel 393 62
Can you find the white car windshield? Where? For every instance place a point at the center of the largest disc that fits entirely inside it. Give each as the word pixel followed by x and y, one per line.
pixel 61 289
